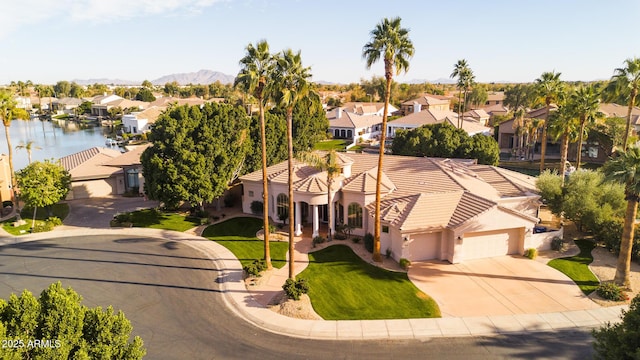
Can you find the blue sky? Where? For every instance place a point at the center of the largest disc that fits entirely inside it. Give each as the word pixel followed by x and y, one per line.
pixel 49 40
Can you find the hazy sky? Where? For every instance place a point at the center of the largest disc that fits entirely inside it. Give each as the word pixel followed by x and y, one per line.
pixel 49 40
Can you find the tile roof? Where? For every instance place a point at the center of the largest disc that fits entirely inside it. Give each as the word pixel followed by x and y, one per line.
pixel 351 120
pixel 495 96
pixel 540 112
pixel 365 182
pixel 90 163
pixel 469 206
pixel 131 157
pixel 429 99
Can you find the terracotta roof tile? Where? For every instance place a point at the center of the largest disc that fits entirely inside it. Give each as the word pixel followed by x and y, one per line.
pixel 365 182
pixel 468 207
pixel 90 163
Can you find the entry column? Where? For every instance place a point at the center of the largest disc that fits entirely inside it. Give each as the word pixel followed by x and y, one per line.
pixel 316 221
pixel 298 217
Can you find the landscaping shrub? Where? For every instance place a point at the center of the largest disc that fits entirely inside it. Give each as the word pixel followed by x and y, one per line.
pixel 557 244
pixel 124 217
pixel 610 233
pixel 42 227
pixel 405 263
pixel 355 239
pixel 201 213
pixel 531 253
pixel 619 340
pixel 610 291
pixel 368 242
pixel 295 288
pixel 257 207
pixel 339 236
pixel 255 268
pixel 54 220
pixel 387 253
pixel 318 240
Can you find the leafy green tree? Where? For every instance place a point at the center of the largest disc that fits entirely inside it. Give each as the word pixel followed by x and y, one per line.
pixel 586 105
pixel 257 67
pixel 625 84
pixel 548 87
pixel 276 130
pixel 97 89
pixel 289 85
pixel 147 84
pixel 389 42
pixel 76 91
pixel 483 148
pixel 620 341
pixel 73 330
pixel 85 108
pixel 196 153
pixel 549 186
pixel 310 123
pixel 43 184
pixel 145 95
pixel 478 95
pixel 625 169
pixel 171 88
pixel 62 89
pixel 115 112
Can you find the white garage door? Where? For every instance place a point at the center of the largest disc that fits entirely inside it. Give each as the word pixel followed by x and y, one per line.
pixel 424 247
pixel 490 243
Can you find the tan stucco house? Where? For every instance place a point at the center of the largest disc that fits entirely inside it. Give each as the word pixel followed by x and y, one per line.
pixel 445 209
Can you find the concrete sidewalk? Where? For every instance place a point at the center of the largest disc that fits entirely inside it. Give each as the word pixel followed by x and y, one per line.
pixel 247 306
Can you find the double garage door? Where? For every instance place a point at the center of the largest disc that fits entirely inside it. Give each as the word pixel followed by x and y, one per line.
pixel 491 243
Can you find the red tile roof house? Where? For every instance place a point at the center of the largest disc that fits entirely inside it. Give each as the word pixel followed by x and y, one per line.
pixel 429 117
pixel 444 209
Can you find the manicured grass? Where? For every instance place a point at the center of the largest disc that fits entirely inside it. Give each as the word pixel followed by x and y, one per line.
pixel 158 220
pixel 58 210
pixel 239 236
pixel 342 286
pixel 337 145
pixel 576 267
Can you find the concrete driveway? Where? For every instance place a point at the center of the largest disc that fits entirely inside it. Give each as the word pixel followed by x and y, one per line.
pixel 98 212
pixel 503 285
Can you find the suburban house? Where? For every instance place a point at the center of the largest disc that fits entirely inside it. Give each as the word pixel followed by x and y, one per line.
pixel 5 179
pixel 102 104
pixel 513 142
pixel 140 122
pixel 444 209
pixel 478 115
pixel 357 121
pixel 131 167
pixel 427 117
pixel 23 102
pixel 494 98
pixel 425 102
pixel 66 105
pixel 90 176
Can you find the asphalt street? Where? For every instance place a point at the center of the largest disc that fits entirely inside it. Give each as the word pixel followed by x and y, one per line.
pixel 170 293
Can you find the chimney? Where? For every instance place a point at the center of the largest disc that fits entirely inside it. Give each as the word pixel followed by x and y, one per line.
pixel 338 112
pixel 416 107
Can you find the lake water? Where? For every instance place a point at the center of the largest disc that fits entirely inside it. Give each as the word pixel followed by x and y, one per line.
pixel 55 139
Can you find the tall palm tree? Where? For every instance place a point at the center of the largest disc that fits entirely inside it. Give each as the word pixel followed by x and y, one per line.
pixel 329 163
pixel 549 87
pixel 518 98
pixel 625 169
pixel 586 105
pixel 390 42
pixel 625 82
pixel 256 68
pixel 533 128
pixel 563 125
pixel 465 76
pixel 290 83
pixel 7 105
pixel 29 146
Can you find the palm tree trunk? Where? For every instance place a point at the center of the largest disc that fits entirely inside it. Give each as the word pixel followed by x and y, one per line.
pixel 377 257
pixel 632 101
pixel 543 148
pixel 459 109
pixel 13 178
pixel 329 207
pixel 563 156
pixel 623 266
pixel 265 189
pixel 290 179
pixel 580 136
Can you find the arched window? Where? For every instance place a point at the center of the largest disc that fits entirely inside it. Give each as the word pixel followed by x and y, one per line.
pixel 337 133
pixel 349 134
pixel 283 206
pixel 343 133
pixel 355 215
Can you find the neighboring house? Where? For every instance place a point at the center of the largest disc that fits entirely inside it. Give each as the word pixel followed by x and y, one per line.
pixel 368 108
pixel 513 142
pixel 478 115
pixel 494 98
pixel 66 105
pixel 131 167
pixel 429 117
pixel 99 106
pixel 620 111
pixel 353 127
pixel 23 102
pixel 5 179
pixel 90 176
pixel 426 102
pixel 140 122
pixel 443 209
pixel 496 110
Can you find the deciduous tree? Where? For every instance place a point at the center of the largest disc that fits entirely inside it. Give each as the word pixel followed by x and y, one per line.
pixel 43 184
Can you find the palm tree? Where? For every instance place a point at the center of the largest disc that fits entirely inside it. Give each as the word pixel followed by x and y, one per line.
pixel 256 68
pixel 390 42
pixel 562 125
pixel 7 105
pixel 533 128
pixel 328 163
pixel 549 87
pixel 586 104
pixel 29 146
pixel 290 83
pixel 625 82
pixel 518 98
pixel 465 76
pixel 625 169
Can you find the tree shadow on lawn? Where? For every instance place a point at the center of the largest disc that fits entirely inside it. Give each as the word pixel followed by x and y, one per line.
pixel 343 256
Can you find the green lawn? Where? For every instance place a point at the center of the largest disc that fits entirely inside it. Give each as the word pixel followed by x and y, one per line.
pixel 337 145
pixel 239 236
pixel 342 286
pixel 576 267
pixel 58 210
pixel 151 218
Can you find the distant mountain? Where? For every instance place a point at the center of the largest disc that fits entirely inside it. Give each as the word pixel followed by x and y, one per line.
pixel 201 77
pixel 436 81
pixel 106 81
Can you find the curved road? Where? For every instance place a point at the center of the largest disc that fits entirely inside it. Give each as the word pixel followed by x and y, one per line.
pixel 169 292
